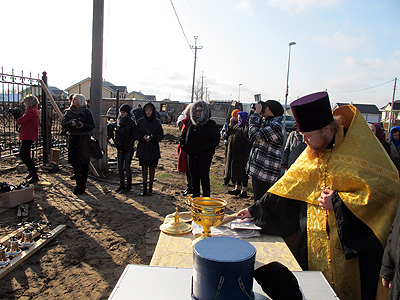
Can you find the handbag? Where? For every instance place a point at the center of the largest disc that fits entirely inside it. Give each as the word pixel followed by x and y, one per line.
pixel 95 149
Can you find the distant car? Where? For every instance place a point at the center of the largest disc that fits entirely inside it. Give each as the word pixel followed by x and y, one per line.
pixel 289 126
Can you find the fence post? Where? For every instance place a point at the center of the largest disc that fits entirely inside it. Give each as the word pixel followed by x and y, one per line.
pixel 45 122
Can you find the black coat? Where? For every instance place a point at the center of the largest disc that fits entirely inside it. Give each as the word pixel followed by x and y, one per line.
pixel 125 135
pixel 391 259
pixel 79 138
pixel 237 154
pixel 149 126
pixel 200 140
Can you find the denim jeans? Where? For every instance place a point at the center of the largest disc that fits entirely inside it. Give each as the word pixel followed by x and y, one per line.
pixel 124 166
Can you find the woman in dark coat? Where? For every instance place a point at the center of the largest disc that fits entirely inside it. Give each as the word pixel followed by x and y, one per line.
pixel 78 123
pixel 199 140
pixel 124 142
pixel 183 163
pixel 149 133
pixel 237 155
pixel 28 134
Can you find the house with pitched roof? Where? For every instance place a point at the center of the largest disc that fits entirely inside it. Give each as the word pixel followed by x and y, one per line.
pixel 370 112
pixel 109 90
pixel 386 114
pixel 140 96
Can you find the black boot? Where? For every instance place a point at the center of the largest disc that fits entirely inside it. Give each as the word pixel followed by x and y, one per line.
pixel 29 176
pixel 150 189
pixel 34 179
pixel 144 193
pixel 120 189
pixel 128 188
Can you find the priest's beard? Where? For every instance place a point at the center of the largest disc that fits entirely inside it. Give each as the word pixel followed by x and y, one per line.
pixel 316 151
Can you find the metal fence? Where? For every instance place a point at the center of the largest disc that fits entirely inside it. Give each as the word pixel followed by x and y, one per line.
pixel 13 88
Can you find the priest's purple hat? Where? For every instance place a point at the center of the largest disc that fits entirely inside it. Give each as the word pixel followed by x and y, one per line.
pixel 312 112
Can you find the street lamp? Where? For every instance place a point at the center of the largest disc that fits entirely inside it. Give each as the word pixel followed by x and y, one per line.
pixel 287 84
pixel 239 92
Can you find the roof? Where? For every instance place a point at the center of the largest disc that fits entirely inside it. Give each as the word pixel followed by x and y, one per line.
pixel 55 91
pixel 108 85
pixel 363 108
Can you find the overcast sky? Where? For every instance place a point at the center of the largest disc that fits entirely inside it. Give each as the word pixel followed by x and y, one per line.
pixel 349 48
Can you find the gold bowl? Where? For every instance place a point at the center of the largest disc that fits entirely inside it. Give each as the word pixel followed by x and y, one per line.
pixel 207 212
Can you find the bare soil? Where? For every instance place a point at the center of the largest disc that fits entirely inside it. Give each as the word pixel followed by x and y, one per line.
pixel 105 230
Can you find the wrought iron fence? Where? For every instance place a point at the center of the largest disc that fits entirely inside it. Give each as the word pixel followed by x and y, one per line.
pixel 13 88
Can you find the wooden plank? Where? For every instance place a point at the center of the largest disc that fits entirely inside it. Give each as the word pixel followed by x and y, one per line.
pixel 60 115
pixel 17 261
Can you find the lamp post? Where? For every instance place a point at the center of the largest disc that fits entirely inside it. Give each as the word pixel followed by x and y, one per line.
pixel 287 84
pixel 239 92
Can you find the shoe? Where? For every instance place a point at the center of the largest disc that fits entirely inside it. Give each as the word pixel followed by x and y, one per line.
pixel 29 176
pixel 34 179
pixel 150 192
pixel 127 189
pixel 120 189
pixel 234 192
pixel 243 194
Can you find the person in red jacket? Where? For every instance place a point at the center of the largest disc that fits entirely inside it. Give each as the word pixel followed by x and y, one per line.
pixel 28 134
pixel 183 163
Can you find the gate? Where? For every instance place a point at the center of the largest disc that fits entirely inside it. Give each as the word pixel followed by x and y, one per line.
pixel 13 88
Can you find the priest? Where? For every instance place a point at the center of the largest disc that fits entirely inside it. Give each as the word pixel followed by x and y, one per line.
pixel 338 199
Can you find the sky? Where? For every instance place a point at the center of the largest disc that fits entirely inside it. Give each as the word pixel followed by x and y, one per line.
pixel 351 48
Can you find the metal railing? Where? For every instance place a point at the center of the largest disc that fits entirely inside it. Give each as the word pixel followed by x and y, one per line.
pixel 13 88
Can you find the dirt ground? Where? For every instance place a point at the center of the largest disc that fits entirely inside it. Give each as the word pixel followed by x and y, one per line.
pixel 105 231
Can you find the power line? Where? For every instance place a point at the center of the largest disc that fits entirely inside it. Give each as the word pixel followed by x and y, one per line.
pixel 176 14
pixel 364 89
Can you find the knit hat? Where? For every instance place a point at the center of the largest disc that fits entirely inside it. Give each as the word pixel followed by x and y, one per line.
pixel 312 112
pixel 235 112
pixel 278 282
pixel 126 108
pixel 275 107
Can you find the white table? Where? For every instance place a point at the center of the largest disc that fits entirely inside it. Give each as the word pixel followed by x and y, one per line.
pixel 149 282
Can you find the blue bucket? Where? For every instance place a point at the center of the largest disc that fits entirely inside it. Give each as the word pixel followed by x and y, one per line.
pixel 223 269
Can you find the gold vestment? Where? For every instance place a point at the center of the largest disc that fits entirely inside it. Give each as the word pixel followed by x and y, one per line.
pixel 360 170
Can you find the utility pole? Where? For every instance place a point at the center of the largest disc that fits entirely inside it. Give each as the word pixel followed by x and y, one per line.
pixel 202 86
pixel 391 107
pixel 194 68
pixel 96 79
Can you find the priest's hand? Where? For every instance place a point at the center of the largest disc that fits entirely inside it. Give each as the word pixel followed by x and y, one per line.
pixel 243 214
pixel 325 200
pixel 386 283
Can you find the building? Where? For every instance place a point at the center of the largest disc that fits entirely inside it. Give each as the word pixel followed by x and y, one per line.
pixel 370 112
pixel 109 90
pixel 386 114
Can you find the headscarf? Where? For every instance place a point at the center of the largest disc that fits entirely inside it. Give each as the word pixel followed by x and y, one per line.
pixel 235 112
pixel 153 114
pixel 243 117
pixel 205 115
pixel 396 143
pixel 380 134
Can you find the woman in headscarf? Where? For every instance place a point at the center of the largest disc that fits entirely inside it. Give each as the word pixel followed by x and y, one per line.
pixel 149 133
pixel 78 122
pixel 199 140
pixel 380 134
pixel 237 155
pixel 124 142
pixel 394 141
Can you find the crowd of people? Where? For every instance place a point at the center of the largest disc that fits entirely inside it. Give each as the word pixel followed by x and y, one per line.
pixel 331 187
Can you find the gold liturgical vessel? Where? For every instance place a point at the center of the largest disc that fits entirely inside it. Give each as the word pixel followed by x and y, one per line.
pixel 176 227
pixel 207 212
